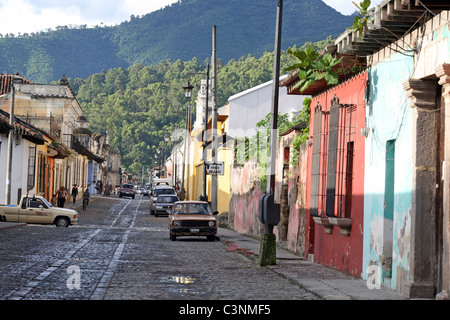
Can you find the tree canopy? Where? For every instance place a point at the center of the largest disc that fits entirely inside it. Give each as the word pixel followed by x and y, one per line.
pixel 138 106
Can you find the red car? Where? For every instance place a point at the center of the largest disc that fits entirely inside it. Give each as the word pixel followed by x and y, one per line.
pixel 127 190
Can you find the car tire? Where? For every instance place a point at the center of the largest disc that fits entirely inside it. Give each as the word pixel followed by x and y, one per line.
pixel 133 197
pixel 211 238
pixel 173 237
pixel 62 222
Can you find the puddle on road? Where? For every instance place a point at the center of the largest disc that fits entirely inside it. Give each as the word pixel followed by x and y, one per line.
pixel 173 282
pixel 178 279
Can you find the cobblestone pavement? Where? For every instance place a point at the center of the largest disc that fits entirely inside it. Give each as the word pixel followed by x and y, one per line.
pixel 118 251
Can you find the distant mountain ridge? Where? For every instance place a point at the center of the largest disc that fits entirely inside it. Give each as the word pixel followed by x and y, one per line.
pixel 179 31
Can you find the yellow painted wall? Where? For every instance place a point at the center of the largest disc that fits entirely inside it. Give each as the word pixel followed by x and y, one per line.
pixel 195 172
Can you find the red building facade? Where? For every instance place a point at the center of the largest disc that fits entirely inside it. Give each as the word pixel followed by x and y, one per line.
pixel 335 178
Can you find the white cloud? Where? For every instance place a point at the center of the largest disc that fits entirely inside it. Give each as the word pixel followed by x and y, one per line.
pixel 26 16
pixel 347 7
pixel 22 16
pixel 140 6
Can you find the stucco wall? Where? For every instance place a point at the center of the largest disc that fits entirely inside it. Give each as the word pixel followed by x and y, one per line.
pixel 336 249
pixel 388 118
pixel 245 195
pixel 244 201
pixel 297 205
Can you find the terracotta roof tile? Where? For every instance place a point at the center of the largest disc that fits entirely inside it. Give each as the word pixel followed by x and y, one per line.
pixel 6 81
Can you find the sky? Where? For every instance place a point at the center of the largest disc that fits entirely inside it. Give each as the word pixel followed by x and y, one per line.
pixel 27 16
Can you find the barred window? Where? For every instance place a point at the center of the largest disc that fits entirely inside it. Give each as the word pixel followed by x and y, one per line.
pixel 31 167
pixel 332 160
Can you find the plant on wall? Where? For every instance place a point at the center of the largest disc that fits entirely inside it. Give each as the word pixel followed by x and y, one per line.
pixel 363 19
pixel 313 67
pixel 304 117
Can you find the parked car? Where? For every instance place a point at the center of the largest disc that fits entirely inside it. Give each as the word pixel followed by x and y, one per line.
pixel 192 218
pixel 127 190
pixel 157 191
pixel 145 192
pixel 36 209
pixel 164 204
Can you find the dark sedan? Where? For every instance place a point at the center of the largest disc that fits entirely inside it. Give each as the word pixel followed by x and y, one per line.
pixel 164 204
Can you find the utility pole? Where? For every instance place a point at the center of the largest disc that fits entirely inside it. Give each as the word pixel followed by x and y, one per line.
pixel 214 177
pixel 269 216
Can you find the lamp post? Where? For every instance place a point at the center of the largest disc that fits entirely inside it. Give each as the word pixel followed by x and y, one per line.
pixel 187 93
pixel 187 90
pixel 166 140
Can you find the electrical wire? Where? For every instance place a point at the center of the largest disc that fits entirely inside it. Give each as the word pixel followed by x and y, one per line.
pixel 427 8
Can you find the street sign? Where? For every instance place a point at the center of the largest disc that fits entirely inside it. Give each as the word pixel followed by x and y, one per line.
pixel 215 169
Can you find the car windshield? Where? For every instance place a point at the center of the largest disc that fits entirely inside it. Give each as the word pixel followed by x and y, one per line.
pixel 47 203
pixel 192 208
pixel 128 186
pixel 164 191
pixel 167 199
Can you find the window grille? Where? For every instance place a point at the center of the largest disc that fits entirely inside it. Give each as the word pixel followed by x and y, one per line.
pixel 332 160
pixel 31 167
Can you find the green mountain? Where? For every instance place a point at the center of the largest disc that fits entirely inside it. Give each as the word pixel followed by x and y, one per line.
pixel 179 31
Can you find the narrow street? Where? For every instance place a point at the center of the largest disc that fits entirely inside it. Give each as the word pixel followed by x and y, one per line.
pixel 118 251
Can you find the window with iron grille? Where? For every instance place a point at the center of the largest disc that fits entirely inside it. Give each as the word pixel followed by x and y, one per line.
pixel 31 167
pixel 332 160
pixel 41 176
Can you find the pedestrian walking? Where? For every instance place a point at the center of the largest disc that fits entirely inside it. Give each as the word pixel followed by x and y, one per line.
pixel 61 195
pixel 86 196
pixel 74 193
pixel 53 200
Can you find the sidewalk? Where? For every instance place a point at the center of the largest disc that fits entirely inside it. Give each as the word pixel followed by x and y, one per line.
pixel 327 283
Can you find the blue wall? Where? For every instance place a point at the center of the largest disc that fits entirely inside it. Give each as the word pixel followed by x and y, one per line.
pixel 389 118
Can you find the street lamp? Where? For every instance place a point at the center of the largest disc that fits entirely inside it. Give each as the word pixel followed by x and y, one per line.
pixel 187 93
pixel 188 90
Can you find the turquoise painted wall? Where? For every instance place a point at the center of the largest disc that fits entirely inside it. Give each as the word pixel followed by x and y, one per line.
pixel 389 118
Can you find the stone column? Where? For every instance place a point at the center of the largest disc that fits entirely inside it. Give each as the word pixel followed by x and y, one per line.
pixel 423 209
pixel 443 73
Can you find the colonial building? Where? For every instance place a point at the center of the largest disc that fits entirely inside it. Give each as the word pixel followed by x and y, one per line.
pixel 401 159
pixel 26 140
pixel 54 109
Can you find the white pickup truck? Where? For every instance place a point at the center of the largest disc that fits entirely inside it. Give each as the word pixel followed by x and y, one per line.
pixel 36 209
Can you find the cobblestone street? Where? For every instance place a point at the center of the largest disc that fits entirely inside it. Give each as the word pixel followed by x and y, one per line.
pixel 119 251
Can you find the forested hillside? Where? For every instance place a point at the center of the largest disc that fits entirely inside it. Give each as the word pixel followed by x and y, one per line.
pixel 180 31
pixel 139 105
